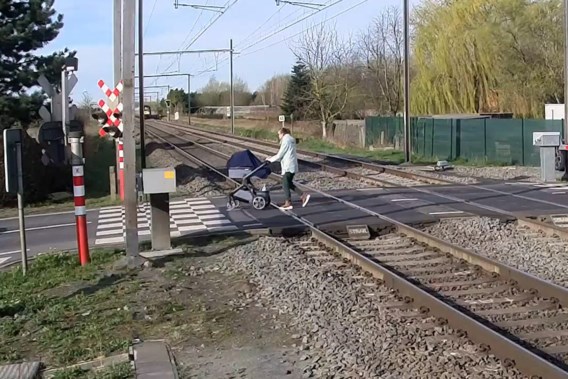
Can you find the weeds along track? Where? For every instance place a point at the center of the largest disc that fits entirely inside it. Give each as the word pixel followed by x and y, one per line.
pixel 515 316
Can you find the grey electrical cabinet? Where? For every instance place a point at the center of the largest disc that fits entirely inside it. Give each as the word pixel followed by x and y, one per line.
pixel 158 180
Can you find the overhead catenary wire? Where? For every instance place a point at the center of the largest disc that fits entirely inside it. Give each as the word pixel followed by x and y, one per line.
pixel 303 30
pixel 182 44
pixel 290 15
pixel 228 5
pixel 193 26
pixel 150 17
pixel 273 34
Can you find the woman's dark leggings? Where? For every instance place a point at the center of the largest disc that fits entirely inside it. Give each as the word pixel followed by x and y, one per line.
pixel 288 185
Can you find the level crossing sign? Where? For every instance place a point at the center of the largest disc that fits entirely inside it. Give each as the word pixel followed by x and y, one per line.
pixel 114 105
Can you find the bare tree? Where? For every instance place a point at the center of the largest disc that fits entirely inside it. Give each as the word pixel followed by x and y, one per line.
pixel 87 101
pixel 330 62
pixel 382 49
pixel 272 91
pixel 217 93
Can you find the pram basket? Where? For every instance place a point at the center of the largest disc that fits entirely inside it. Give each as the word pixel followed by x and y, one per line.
pixel 242 166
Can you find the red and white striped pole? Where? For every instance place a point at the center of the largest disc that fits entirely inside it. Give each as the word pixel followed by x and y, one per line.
pixel 75 140
pixel 121 169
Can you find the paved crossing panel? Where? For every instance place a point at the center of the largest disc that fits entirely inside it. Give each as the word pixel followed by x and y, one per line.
pixel 186 216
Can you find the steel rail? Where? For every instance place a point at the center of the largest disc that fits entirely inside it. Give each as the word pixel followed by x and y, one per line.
pixel 368 165
pixel 321 166
pixel 548 229
pixel 502 346
pixel 373 166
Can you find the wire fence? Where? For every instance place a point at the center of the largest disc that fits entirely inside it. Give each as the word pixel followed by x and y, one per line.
pixel 500 141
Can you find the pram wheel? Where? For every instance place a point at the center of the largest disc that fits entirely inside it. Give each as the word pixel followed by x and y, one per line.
pixel 232 204
pixel 259 202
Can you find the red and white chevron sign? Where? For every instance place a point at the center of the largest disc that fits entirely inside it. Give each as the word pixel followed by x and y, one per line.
pixel 110 113
pixel 111 94
pixel 113 97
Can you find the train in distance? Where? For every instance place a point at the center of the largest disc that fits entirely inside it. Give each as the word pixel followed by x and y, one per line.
pixel 148 112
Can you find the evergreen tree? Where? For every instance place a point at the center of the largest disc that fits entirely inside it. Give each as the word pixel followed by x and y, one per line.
pixel 297 97
pixel 178 97
pixel 26 26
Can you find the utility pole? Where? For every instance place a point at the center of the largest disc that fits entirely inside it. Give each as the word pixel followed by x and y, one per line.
pixel 189 99
pixel 117 57
pixel 232 91
pixel 141 82
pixel 565 121
pixel 130 193
pixel 407 83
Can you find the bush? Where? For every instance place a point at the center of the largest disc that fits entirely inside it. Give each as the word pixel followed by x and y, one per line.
pixel 39 181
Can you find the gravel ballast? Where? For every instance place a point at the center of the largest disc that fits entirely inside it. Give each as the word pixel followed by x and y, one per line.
pixel 191 180
pixel 510 244
pixel 473 175
pixel 347 328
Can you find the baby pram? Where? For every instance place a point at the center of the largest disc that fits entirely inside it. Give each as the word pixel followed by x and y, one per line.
pixel 242 166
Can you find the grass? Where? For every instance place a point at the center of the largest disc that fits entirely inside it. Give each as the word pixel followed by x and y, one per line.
pixel 119 371
pixel 316 144
pixel 66 314
pixel 321 146
pixel 63 312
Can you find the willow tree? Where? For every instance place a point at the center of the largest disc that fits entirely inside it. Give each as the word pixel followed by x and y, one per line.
pixel 486 55
pixel 533 70
pixel 455 56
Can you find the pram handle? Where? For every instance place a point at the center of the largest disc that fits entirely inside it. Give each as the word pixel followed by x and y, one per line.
pixel 263 165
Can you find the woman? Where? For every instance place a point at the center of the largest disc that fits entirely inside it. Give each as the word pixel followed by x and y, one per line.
pixel 288 159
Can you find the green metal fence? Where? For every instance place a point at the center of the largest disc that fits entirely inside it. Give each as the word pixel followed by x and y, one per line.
pixel 507 141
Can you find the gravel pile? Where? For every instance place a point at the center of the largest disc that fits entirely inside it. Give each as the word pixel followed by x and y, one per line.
pixel 347 330
pixel 506 242
pixel 191 180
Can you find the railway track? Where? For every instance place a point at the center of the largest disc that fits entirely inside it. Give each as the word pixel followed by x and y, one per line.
pixel 537 225
pixel 519 318
pixel 365 172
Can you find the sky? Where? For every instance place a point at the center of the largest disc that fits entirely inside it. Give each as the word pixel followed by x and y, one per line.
pixel 262 32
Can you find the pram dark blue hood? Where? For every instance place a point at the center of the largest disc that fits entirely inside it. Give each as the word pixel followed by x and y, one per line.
pixel 246 159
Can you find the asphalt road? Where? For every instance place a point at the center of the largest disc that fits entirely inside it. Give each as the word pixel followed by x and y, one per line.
pixel 44 233
pixel 56 231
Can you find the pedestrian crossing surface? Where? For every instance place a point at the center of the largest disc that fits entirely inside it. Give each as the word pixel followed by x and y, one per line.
pixel 186 216
pixel 544 186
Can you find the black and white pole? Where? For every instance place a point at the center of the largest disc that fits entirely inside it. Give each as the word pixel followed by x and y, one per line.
pixel 21 218
pixel 14 181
